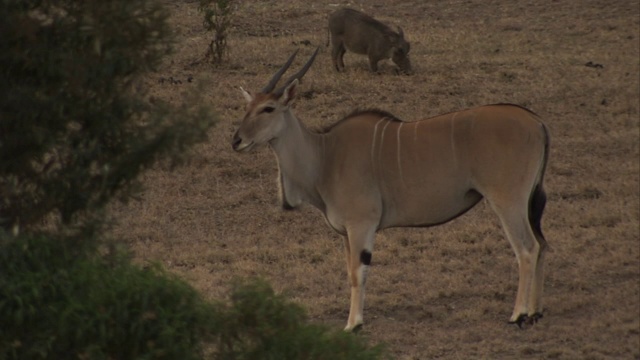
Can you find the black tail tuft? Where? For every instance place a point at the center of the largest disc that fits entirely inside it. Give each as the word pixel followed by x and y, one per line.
pixel 537 203
pixel 538 198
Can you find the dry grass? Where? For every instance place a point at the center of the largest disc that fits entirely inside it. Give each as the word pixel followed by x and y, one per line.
pixel 442 292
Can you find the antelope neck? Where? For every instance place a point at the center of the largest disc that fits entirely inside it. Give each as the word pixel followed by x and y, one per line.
pixel 299 154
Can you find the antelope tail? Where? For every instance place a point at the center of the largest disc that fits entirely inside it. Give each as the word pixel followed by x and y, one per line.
pixel 538 197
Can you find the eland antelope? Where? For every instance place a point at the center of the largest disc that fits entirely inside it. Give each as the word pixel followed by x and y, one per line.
pixel 371 171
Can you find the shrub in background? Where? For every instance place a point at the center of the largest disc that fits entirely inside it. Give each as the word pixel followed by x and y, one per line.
pixel 217 19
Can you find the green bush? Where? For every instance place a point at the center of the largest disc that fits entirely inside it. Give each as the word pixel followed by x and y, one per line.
pixel 76 130
pixel 259 324
pixel 58 301
pixel 77 126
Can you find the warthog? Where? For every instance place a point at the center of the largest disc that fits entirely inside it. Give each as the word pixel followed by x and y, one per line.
pixel 360 33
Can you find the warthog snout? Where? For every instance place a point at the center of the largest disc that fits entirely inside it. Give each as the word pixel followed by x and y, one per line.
pixel 401 58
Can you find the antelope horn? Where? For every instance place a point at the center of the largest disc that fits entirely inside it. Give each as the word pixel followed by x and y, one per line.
pixel 299 74
pixel 278 75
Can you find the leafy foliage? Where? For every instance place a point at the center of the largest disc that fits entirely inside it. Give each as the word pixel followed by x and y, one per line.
pixel 259 324
pixel 59 300
pixel 76 128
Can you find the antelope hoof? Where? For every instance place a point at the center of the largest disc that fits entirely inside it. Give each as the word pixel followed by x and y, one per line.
pixel 356 329
pixel 522 319
pixel 527 320
pixel 536 316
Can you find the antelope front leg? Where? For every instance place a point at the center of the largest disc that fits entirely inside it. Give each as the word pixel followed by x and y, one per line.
pixel 358 246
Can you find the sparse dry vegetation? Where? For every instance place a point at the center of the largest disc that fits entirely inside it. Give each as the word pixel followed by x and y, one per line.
pixel 442 292
pixel 217 16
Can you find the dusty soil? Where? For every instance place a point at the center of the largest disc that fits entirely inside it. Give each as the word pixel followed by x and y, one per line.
pixel 441 292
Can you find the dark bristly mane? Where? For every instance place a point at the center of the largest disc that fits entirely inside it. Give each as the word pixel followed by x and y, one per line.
pixel 371 21
pixel 359 112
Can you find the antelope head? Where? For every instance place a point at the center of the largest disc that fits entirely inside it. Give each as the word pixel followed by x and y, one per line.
pixel 265 112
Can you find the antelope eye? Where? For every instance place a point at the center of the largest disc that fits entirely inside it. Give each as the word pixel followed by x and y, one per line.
pixel 268 109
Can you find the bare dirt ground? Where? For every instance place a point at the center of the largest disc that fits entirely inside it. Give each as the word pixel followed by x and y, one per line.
pixel 442 292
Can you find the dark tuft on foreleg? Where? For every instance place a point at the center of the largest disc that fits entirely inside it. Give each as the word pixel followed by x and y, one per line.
pixel 365 257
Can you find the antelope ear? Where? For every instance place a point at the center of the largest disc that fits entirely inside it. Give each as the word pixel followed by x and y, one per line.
pixel 289 93
pixel 247 95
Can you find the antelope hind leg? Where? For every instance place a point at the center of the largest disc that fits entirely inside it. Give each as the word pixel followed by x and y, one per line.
pixel 538 280
pixel 527 249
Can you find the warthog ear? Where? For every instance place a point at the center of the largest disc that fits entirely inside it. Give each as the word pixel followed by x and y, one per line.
pixel 289 93
pixel 247 95
pixel 400 32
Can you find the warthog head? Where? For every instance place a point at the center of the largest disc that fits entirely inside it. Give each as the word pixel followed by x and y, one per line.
pixel 400 52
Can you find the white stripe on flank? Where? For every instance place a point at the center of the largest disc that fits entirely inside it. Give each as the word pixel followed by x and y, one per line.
pixel 382 144
pixel 415 150
pixel 373 142
pixel 398 155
